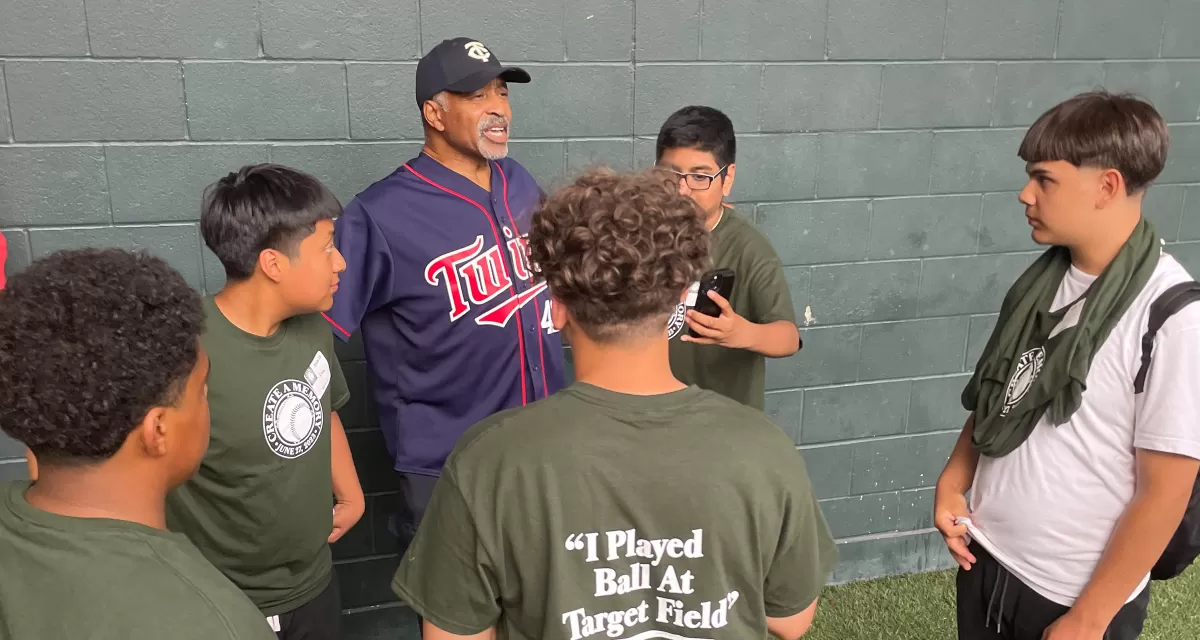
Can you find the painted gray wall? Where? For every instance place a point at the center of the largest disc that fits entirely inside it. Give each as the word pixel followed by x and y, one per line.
pixel 878 142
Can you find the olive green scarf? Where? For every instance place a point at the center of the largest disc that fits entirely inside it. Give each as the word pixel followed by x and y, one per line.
pixel 1023 371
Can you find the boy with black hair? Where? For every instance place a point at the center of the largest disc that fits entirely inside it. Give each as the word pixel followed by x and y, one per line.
pixel 1078 478
pixel 698 147
pixel 613 506
pixel 102 376
pixel 259 508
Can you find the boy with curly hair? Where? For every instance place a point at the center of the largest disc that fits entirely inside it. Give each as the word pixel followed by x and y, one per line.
pixel 103 377
pixel 615 506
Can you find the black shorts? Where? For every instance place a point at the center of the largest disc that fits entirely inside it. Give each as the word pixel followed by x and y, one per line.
pixel 993 604
pixel 317 619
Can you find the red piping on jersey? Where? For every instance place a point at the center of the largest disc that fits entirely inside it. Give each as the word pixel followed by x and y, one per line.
pixel 511 287
pixel 541 349
pixel 335 325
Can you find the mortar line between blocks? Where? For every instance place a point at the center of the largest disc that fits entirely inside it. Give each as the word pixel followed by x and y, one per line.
pixel 262 52
pixel 112 219
pixel 346 87
pixel 12 127
pixel 945 28
pixel 828 10
pixel 995 91
pixel 592 63
pixel 699 31
pixel 1182 214
pixel 87 28
pixel 187 116
pixel 1058 23
pixel 420 32
pixel 1162 38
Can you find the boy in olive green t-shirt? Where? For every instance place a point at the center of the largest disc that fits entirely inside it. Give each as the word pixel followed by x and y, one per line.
pixel 102 377
pixel 696 145
pixel 629 504
pixel 261 508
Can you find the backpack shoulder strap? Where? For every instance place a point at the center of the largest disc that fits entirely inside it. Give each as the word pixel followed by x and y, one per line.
pixel 1166 305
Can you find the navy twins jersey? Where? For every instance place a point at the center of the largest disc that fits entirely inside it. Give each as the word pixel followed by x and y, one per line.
pixel 454 324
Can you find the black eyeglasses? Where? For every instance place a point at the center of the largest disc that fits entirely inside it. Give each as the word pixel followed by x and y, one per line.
pixel 697 181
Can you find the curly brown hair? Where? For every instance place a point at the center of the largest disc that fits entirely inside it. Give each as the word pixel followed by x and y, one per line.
pixel 618 250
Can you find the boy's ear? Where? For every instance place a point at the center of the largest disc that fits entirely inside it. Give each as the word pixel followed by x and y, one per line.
pixel 273 264
pixel 559 314
pixel 727 185
pixel 153 432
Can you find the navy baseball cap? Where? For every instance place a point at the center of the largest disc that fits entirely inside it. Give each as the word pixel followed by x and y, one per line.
pixel 461 65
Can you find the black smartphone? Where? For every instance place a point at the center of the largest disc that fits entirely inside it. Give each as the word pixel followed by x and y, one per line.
pixel 719 280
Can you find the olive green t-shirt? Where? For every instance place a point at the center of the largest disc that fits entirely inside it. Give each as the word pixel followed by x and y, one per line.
pixel 103 579
pixel 594 514
pixel 260 507
pixel 760 295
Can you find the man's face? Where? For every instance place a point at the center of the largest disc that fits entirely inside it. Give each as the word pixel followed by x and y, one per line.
pixel 1060 202
pixel 701 163
pixel 477 123
pixel 310 278
pixel 187 423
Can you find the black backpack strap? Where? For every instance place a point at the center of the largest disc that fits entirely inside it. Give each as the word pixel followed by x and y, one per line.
pixel 1165 306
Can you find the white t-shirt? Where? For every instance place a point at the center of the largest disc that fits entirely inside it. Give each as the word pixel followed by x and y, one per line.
pixel 1046 510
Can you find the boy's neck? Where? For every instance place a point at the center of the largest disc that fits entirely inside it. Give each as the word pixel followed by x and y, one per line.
pixel 252 307
pixel 1094 256
pixel 637 367
pixel 110 490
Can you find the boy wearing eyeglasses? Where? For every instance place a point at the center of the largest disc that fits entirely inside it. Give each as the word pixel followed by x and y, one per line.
pixel 729 353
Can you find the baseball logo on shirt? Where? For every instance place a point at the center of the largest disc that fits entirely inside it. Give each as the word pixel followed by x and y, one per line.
pixel 679 319
pixel 292 418
pixel 1028 369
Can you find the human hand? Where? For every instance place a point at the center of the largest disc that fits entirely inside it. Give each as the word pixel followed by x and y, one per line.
pixel 346 513
pixel 948 507
pixel 728 329
pixel 1073 626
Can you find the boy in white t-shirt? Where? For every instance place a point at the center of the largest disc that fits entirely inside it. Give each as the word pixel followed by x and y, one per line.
pixel 1077 483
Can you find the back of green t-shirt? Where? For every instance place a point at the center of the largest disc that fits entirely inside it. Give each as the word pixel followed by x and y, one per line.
pixel 760 295
pixel 107 579
pixel 260 507
pixel 597 514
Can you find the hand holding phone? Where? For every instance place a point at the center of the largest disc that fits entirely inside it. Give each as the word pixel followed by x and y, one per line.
pixel 719 280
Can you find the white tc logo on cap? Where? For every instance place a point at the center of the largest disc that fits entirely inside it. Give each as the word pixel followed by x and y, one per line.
pixel 478 51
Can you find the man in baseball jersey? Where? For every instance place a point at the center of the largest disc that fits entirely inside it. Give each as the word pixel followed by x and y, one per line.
pixel 454 324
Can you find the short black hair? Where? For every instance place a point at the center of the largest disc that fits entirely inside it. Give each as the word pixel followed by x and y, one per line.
pixel 259 207
pixel 90 341
pixel 697 127
pixel 1102 130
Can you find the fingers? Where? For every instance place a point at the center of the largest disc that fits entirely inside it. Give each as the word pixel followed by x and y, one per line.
pixel 704 330
pixel 686 338
pixel 704 320
pixel 336 534
pixel 721 302
pixel 962 554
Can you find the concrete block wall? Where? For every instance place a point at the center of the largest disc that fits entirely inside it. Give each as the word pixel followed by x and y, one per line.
pixel 878 150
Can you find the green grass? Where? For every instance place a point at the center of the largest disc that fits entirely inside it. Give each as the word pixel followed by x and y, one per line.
pixel 921 607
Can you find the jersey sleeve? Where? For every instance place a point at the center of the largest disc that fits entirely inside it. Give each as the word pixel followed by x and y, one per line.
pixel 446 576
pixel 806 552
pixel 366 284
pixel 770 296
pixel 1166 412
